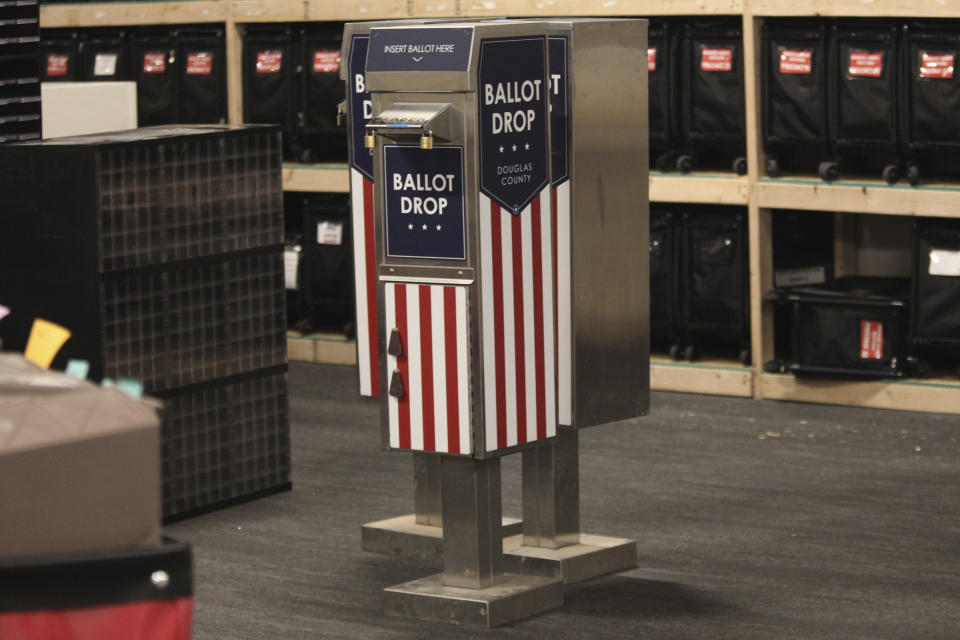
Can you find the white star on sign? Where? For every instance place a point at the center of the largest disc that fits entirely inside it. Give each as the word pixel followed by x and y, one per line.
pixel 514 147
pixel 439 227
pixel 410 226
pixel 501 149
pixel 527 146
pixel 424 227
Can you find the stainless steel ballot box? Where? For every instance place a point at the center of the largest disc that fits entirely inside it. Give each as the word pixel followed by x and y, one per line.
pixel 465 267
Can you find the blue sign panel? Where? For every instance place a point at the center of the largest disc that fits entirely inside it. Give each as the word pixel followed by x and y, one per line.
pixel 559 109
pixel 514 102
pixel 424 203
pixel 421 49
pixel 361 109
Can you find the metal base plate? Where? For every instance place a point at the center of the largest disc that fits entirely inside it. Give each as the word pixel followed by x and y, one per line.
pixel 402 536
pixel 515 598
pixel 593 557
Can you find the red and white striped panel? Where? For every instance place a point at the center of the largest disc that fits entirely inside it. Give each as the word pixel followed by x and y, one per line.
pixel 365 282
pixel 434 412
pixel 516 267
pixel 563 310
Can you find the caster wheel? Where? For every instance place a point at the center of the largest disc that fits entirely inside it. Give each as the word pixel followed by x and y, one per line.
pixel 350 330
pixel 829 171
pixel 740 166
pixel 745 357
pixel 690 353
pixel 913 175
pixel 773 366
pixel 773 168
pixel 664 162
pixel 306 156
pixel 891 173
pixel 675 351
pixel 685 164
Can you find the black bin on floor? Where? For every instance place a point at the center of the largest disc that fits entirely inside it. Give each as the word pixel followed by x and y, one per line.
pixel 154 59
pixel 321 92
pixel 326 287
pixel 863 103
pixel 855 327
pixel 712 97
pixel 714 287
pixel 794 95
pixel 935 294
pixel 663 49
pixel 269 81
pixel 105 56
pixel 664 279
pixel 931 98
pixel 201 75
pixel 59 57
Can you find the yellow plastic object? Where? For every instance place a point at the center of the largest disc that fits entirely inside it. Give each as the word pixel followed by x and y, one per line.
pixel 45 341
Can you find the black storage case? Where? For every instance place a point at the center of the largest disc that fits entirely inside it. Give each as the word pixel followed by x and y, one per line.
pixel 60 57
pixel 714 287
pixel 269 81
pixel 663 65
pixel 794 95
pixel 664 279
pixel 931 98
pixel 853 327
pixel 326 283
pixel 320 93
pixel 201 75
pixel 161 251
pixel 935 294
pixel 154 60
pixel 713 120
pixel 105 56
pixel 863 104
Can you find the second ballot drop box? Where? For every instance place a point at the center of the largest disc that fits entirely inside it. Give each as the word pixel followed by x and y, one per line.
pixel 461 140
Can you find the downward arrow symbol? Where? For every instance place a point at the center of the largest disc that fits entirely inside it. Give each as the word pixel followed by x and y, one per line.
pixel 416 59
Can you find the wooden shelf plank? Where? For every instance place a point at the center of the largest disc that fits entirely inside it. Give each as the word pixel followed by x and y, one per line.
pixel 328 348
pixel 858 197
pixel 549 8
pixel 940 395
pixel 269 11
pixel 98 14
pixel 856 8
pixel 333 177
pixel 715 378
pixel 703 188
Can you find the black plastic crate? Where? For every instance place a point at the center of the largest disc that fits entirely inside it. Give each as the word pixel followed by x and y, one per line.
pixel 930 97
pixel 714 287
pixel 20 88
pixel 224 441
pixel 851 327
pixel 320 94
pixel 794 95
pixel 935 294
pixel 665 279
pixel 864 103
pixel 713 116
pixel 663 65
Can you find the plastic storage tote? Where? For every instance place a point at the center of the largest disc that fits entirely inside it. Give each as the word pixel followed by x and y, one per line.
pixel 321 92
pixel 664 279
pixel 663 50
pixel 269 82
pixel 935 294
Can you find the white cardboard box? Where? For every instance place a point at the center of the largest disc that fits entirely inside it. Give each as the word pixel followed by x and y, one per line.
pixel 77 108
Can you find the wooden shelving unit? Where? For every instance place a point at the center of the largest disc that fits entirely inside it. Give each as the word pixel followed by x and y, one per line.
pixel 760 194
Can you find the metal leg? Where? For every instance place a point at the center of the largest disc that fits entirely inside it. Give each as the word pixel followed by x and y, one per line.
pixel 426 496
pixel 551 492
pixel 472 536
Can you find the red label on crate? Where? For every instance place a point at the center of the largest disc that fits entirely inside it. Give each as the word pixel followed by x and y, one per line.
pixel 796 61
pixel 57 65
pixel 866 63
pixel 716 60
pixel 326 61
pixel 871 340
pixel 155 62
pixel 269 61
pixel 200 63
pixel 936 65
pixel 651 59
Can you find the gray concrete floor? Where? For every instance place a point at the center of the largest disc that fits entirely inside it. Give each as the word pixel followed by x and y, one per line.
pixel 754 519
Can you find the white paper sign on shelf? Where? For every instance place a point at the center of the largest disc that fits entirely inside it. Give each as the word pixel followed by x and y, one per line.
pixel 329 232
pixel 291 267
pixel 944 262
